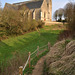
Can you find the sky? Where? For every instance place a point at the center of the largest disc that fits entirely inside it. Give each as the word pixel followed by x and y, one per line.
pixel 56 4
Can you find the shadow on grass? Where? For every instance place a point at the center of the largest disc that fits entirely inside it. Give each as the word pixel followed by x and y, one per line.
pixel 5 50
pixel 29 43
pixel 25 43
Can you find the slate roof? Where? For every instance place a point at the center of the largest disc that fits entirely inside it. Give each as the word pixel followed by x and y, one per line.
pixel 31 4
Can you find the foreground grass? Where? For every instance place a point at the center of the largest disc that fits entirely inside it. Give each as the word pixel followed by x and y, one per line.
pixel 27 42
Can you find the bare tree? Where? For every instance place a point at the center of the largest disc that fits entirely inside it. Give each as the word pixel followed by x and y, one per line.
pixel 60 13
pixel 0 4
pixel 0 10
pixel 70 15
pixel 55 15
pixel 68 10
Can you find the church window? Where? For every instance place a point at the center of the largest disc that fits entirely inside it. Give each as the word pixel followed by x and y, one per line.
pixel 44 14
pixel 48 5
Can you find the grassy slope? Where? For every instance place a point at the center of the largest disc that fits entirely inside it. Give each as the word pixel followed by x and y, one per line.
pixel 27 42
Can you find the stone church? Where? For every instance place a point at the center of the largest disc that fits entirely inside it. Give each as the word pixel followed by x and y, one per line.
pixel 40 9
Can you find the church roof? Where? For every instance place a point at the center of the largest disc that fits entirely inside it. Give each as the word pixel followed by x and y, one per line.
pixel 9 6
pixel 31 4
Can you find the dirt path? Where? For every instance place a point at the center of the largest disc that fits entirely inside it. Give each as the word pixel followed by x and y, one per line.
pixel 38 70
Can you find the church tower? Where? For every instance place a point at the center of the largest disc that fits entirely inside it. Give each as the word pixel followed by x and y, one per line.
pixel 50 10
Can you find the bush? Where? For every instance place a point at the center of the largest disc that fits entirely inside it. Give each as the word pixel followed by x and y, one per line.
pixel 66 34
pixel 12 22
pixel 40 24
pixel 11 66
pixel 33 25
pixel 18 24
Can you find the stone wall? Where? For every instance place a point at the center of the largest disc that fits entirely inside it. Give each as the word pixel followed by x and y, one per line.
pixel 50 9
pixel 46 10
pixel 38 14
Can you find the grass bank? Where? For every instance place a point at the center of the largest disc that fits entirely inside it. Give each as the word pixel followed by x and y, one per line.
pixel 21 45
pixel 27 42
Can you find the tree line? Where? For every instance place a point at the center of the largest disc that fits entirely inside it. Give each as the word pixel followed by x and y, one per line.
pixel 68 13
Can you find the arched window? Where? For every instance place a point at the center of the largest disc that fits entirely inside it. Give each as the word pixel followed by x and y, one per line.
pixel 47 5
pixel 44 15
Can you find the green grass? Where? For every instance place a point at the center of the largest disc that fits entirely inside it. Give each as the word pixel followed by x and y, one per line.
pixel 27 42
pixel 33 63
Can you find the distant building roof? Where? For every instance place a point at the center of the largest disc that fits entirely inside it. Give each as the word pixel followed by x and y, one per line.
pixel 31 4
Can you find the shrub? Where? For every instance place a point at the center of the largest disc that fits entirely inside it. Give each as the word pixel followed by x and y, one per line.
pixel 40 24
pixel 12 22
pixel 33 24
pixel 18 24
pixel 11 66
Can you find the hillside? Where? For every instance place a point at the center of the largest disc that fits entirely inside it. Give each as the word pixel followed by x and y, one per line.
pixel 26 42
pixel 61 58
pixel 16 48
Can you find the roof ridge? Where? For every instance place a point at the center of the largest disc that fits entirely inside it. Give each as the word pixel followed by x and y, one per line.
pixel 27 2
